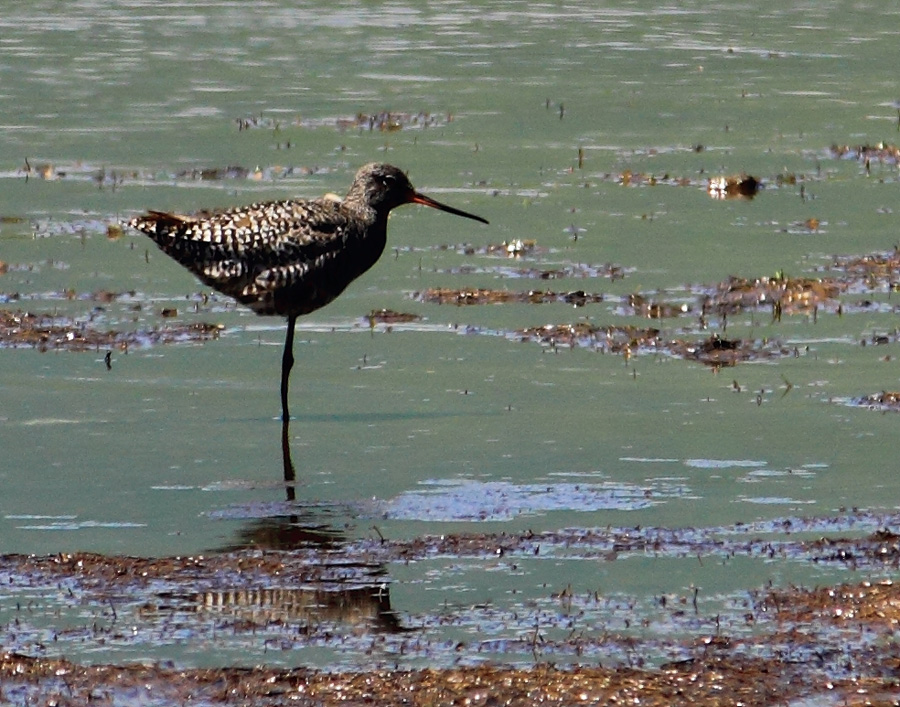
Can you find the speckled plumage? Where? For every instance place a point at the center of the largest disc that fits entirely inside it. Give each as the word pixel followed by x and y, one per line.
pixel 289 257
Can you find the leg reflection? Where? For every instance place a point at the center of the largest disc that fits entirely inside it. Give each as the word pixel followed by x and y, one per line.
pixel 290 473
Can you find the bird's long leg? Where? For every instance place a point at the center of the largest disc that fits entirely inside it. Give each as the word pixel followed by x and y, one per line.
pixel 287 362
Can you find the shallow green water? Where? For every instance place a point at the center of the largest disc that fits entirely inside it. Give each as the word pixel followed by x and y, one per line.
pixel 449 424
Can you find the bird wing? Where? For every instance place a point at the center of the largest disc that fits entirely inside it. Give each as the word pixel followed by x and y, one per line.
pixel 249 251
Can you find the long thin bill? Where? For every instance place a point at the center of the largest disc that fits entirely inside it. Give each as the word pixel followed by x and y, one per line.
pixel 417 198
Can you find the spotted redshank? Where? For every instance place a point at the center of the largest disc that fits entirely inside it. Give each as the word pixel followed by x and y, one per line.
pixel 289 257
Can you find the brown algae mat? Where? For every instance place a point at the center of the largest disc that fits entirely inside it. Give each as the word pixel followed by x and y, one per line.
pixel 712 680
pixel 46 332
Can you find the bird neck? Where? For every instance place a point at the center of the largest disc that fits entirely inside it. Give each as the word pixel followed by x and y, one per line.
pixel 367 215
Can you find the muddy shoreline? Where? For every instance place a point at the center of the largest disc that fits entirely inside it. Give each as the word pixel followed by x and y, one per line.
pixel 825 645
pixel 713 680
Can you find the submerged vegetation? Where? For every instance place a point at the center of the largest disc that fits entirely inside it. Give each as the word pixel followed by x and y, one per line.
pixel 692 324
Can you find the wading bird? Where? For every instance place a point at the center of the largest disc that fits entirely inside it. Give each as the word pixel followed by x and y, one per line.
pixel 289 257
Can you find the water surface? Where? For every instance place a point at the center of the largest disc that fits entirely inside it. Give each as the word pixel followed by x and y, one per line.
pixel 549 121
